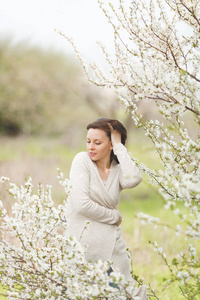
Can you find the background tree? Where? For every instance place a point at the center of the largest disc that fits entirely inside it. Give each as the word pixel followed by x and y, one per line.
pixel 34 85
pixel 156 62
pixel 39 89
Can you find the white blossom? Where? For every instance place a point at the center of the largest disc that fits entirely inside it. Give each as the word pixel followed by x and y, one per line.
pixel 45 263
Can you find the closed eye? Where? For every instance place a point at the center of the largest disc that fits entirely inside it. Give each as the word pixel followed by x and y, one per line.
pixel 97 143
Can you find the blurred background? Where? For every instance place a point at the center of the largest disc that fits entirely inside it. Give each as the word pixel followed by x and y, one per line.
pixel 46 103
pixel 44 94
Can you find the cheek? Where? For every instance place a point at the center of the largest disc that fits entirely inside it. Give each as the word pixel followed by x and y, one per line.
pixel 106 148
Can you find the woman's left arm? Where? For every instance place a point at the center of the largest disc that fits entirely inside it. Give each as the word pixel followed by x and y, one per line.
pixel 130 175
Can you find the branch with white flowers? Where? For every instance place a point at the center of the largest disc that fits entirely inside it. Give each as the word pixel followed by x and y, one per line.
pixel 37 261
pixel 156 62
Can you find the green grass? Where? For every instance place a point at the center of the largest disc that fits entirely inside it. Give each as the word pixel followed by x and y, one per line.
pixel 2 291
pixel 147 263
pixel 35 147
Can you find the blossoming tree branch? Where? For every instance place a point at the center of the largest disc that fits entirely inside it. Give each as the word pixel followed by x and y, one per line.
pixel 38 262
pixel 156 61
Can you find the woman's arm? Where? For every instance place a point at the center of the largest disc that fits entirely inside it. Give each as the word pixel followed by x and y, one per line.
pixel 79 178
pixel 130 175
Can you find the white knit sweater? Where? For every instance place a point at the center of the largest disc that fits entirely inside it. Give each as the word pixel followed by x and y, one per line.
pixel 93 200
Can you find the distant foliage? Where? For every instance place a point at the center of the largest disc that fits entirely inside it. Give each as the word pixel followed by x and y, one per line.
pixel 38 91
pixel 156 62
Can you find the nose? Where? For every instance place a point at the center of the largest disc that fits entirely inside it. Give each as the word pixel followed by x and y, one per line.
pixel 91 146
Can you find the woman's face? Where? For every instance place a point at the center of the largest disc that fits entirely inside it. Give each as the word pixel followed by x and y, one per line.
pixel 99 145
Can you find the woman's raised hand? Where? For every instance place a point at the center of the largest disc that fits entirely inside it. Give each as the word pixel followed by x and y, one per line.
pixel 115 136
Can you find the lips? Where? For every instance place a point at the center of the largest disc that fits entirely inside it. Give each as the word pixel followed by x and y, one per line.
pixel 92 154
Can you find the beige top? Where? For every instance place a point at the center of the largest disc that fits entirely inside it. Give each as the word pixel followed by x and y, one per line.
pixel 92 200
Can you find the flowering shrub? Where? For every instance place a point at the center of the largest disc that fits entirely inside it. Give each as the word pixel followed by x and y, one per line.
pixel 156 61
pixel 37 261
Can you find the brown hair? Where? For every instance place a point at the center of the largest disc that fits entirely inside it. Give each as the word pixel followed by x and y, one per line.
pixel 103 124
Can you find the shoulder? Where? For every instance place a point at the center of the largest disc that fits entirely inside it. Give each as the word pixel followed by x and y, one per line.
pixel 81 158
pixel 80 167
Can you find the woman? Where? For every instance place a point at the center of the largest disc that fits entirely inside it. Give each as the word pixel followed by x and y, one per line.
pixel 97 177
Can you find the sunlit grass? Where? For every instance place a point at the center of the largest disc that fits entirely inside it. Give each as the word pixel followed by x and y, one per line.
pixel 147 263
pixel 2 291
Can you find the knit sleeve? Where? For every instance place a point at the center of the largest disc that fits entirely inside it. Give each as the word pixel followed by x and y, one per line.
pixel 130 175
pixel 79 178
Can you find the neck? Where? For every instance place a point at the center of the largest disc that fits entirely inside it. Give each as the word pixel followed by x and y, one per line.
pixel 103 165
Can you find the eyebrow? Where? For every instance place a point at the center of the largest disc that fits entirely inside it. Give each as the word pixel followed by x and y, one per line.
pixel 95 139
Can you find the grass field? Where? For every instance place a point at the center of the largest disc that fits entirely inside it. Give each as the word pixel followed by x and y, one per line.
pixel 39 157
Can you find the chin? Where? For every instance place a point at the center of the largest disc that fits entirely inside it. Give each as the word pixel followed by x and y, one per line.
pixel 93 158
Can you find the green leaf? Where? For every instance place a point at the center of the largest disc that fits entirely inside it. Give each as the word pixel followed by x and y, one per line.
pixel 174 262
pixel 183 72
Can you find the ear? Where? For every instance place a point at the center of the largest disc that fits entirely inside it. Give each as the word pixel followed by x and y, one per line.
pixel 111 146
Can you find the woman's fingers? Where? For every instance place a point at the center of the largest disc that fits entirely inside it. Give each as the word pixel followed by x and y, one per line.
pixel 110 126
pixel 115 135
pixel 119 221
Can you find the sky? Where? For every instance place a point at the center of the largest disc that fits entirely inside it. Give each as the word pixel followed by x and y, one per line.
pixel 35 21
